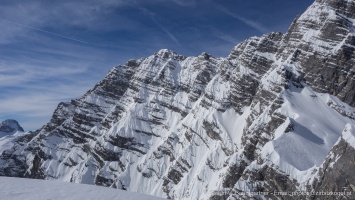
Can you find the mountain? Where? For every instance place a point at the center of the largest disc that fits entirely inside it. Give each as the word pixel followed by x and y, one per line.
pixel 30 189
pixel 273 119
pixel 9 127
pixel 10 130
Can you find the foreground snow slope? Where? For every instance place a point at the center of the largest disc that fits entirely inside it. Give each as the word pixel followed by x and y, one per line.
pixel 32 189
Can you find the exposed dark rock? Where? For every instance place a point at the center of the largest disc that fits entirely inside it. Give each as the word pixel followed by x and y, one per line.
pixel 102 181
pixel 210 130
pixel 337 172
pixel 36 171
pixel 234 173
pixel 175 176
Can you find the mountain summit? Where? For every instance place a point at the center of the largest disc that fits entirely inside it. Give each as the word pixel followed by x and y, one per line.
pixel 9 127
pixel 274 118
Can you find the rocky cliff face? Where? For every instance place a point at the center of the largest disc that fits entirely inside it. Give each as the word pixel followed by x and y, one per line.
pixel 323 38
pixel 336 173
pixel 265 120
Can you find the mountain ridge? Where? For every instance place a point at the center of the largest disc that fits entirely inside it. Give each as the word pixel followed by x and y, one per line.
pixel 208 128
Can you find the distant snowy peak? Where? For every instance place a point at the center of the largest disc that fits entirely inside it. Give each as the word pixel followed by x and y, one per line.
pixel 9 127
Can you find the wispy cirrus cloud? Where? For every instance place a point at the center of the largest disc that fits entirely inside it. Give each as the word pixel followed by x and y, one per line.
pixel 251 23
pixel 167 32
pixel 185 3
pixel 33 105
pixel 35 77
pixel 44 31
pixel 225 37
pixel 15 74
pixel 152 16
pixel 31 92
pixel 18 17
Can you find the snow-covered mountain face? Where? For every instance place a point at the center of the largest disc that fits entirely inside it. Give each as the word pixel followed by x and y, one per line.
pixel 276 115
pixel 10 130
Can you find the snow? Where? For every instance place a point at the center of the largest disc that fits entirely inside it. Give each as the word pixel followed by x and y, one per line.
pixel 317 127
pixel 32 189
pixel 349 134
pixel 6 142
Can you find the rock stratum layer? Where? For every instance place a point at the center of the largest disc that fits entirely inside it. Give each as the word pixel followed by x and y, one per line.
pixel 274 118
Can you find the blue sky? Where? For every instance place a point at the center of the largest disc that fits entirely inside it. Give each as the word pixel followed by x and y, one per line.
pixel 53 51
